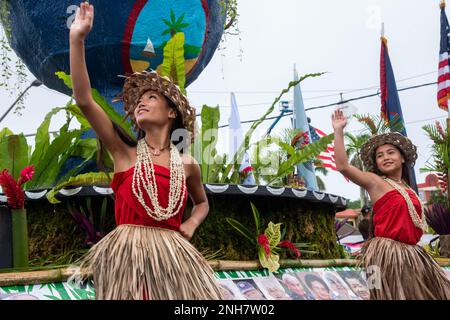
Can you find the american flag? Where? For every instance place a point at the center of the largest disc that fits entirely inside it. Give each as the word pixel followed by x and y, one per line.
pixel 444 70
pixel 327 156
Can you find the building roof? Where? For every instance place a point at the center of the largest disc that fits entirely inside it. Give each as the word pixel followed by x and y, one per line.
pixel 348 213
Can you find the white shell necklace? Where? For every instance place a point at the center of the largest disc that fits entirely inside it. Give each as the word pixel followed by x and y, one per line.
pixel 144 181
pixel 418 222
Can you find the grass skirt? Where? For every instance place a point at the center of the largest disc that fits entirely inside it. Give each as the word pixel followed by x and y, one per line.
pixel 136 262
pixel 406 272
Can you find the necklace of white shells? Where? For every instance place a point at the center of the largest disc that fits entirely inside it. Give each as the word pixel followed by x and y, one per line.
pixel 144 181
pixel 418 222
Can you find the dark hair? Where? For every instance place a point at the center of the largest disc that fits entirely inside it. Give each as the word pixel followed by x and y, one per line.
pixel 309 278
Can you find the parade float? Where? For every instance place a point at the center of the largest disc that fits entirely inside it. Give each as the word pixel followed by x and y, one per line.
pixel 265 241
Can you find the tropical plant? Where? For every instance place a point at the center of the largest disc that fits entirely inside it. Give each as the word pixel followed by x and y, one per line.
pixel 268 243
pixel 237 158
pixel 440 151
pixel 173 65
pixel 13 189
pixel 353 148
pixel 377 125
pixel 11 66
pixel 174 26
pixel 85 220
pixel 438 218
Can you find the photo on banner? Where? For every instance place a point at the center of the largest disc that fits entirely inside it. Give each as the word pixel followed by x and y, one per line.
pixel 339 289
pixel 355 281
pixel 229 290
pixel 293 286
pixel 271 288
pixel 249 290
pixel 317 286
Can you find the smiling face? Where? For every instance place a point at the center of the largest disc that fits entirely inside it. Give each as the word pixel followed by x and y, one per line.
pixel 388 159
pixel 153 109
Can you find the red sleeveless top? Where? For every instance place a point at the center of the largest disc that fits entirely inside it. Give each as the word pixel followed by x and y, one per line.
pixel 391 218
pixel 128 209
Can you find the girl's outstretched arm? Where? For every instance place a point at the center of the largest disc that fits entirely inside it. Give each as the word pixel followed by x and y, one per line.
pixel 98 119
pixel 366 180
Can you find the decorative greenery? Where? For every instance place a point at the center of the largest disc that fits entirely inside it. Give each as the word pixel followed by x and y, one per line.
pixel 440 152
pixel 10 67
pixel 173 62
pixel 269 243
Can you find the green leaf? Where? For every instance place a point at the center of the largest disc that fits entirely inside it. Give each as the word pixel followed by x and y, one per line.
pixel 42 139
pixel 13 154
pixel 304 154
pixel 167 22
pixel 273 233
pixel 180 19
pixel 116 117
pixel 270 262
pixel 173 62
pixel 75 170
pixel 76 112
pixel 48 168
pixel 91 178
pixel 5 132
pixel 240 228
pixel 256 218
pixel 66 78
pixel 172 16
pixel 210 117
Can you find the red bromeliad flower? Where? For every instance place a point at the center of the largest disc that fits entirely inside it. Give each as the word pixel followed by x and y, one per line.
pixel 12 189
pixel 290 246
pixel 264 242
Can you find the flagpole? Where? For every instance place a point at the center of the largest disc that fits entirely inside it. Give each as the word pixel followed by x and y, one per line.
pixel 442 6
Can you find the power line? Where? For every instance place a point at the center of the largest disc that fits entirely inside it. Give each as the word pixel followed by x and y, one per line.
pixel 337 91
pixel 338 103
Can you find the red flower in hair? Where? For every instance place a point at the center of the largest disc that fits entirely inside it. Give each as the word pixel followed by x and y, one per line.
pixel 264 242
pixel 14 194
pixel 290 246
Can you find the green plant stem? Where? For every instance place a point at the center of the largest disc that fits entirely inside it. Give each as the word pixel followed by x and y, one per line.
pixel 20 238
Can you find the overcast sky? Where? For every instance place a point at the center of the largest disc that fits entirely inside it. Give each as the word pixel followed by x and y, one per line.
pixel 338 37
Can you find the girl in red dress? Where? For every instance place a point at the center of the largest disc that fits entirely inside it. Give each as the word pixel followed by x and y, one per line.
pixel 396 266
pixel 148 255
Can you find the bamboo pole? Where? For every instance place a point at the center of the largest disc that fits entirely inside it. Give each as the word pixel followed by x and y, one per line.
pixel 62 274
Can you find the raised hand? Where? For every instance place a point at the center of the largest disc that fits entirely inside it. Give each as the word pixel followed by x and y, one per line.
pixel 339 121
pixel 84 20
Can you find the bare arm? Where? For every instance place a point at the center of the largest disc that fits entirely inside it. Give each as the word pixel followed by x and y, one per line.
pixel 98 119
pixel 198 197
pixel 366 180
